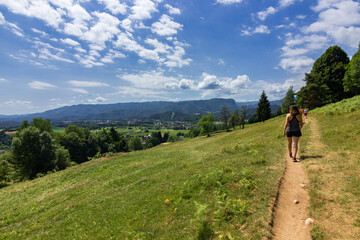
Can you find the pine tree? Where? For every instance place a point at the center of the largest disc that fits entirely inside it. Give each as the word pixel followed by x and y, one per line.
pixel 263 111
pixel 288 100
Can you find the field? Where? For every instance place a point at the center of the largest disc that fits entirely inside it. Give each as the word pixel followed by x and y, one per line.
pixel 331 150
pixel 223 185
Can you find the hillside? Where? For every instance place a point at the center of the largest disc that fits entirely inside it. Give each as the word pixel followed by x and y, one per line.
pixel 174 191
pixel 223 185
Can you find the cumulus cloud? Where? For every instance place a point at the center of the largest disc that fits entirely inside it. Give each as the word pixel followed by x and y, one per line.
pixel 297 64
pixel 142 9
pixel 264 14
pixel 41 85
pixel 88 84
pixel 186 84
pixel 339 20
pixel 114 6
pixel 3 80
pixel 261 29
pixel 166 26
pixel 172 10
pixel 96 100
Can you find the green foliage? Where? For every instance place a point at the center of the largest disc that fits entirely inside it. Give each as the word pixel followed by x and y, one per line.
pixel 263 111
pixel 344 106
pixel 352 75
pixel 135 144
pixel 5 140
pixel 324 84
pixel 6 167
pixel 62 158
pixel 33 152
pixel 288 100
pixel 39 123
pixel 207 124
pixel 225 115
pixel 234 119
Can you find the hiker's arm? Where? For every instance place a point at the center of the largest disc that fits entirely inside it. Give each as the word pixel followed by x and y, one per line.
pixel 286 124
pixel 301 122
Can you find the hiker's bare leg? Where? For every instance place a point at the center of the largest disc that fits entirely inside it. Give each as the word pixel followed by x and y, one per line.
pixel 290 144
pixel 295 141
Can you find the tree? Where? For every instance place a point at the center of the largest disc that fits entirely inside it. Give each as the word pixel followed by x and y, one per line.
pixel 352 75
pixel 243 114
pixel 288 100
pixel 39 123
pixel 234 119
pixel 206 123
pixel 33 152
pixel 263 111
pixel 325 78
pixel 225 115
pixel 135 144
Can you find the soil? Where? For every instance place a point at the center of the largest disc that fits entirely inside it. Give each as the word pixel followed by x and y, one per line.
pixel 289 218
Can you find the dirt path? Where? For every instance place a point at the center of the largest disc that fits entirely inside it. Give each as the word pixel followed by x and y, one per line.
pixel 289 218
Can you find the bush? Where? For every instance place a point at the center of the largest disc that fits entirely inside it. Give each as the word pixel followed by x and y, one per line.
pixel 62 159
pixel 5 167
pixel 135 144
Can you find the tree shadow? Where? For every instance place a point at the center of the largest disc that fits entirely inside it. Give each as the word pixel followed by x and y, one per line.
pixel 304 157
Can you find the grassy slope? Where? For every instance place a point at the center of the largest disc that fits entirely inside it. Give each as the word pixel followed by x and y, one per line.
pixel 334 170
pixel 125 196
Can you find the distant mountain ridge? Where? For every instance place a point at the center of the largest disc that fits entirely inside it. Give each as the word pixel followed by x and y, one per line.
pixel 130 111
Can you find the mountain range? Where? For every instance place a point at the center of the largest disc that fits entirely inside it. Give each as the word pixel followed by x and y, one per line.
pixel 135 110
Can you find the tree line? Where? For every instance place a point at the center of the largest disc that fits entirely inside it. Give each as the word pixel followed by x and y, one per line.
pixel 36 149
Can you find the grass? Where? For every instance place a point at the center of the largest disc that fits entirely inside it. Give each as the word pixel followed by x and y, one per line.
pixel 222 186
pixel 333 167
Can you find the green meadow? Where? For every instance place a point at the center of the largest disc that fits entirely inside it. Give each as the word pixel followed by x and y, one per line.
pixel 221 186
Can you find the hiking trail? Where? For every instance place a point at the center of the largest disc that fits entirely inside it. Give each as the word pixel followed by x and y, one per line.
pixel 288 217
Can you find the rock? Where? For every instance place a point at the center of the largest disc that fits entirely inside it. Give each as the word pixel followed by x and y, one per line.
pixel 309 221
pixel 302 185
pixel 296 201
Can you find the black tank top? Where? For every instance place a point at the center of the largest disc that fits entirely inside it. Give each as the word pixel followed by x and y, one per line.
pixel 293 124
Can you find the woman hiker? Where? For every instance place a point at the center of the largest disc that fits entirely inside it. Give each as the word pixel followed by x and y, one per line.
pixel 292 128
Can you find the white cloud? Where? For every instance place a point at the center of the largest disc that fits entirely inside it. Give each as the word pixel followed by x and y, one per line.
pixel 209 82
pixel 11 26
pixel 3 80
pixel 70 42
pixel 298 64
pixel 228 2
pixel 114 6
pixel 39 9
pixel 286 3
pixel 264 14
pixel 129 91
pixel 41 85
pixel 165 26
pixel 88 84
pixel 46 54
pixel 339 20
pixel 261 29
pixel 96 100
pixel 111 55
pixel 172 10
pixel 150 80
pixel 221 61
pixel 79 90
pixel 142 9
pixel 104 29
pixel 186 84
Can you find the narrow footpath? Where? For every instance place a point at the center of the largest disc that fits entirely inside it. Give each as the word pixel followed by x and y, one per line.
pixel 289 217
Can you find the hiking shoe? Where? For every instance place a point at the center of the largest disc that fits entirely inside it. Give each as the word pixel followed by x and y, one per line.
pixel 294 159
pixel 290 155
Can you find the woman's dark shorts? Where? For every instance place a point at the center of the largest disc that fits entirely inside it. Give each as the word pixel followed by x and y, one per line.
pixel 293 133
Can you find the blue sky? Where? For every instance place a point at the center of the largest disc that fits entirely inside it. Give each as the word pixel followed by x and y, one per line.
pixel 64 52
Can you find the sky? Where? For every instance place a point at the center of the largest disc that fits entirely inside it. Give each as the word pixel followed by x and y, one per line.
pixel 56 53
